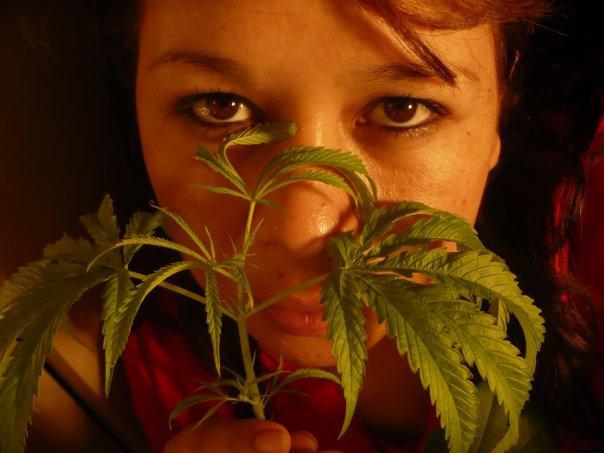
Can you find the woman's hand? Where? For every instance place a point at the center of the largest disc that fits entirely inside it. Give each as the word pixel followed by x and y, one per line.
pixel 240 436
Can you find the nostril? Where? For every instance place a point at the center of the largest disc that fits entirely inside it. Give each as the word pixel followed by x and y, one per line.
pixel 348 222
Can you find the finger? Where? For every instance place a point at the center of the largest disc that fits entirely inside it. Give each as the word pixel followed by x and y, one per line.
pixel 303 441
pixel 241 436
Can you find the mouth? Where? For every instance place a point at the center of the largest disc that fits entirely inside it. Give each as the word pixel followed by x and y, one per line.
pixel 299 323
pixel 298 317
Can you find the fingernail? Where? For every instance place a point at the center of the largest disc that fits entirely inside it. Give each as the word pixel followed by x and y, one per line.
pixel 272 441
pixel 304 441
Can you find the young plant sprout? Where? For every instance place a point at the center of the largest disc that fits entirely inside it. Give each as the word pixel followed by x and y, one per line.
pixel 451 330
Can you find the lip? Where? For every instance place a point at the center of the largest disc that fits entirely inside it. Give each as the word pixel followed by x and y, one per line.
pixel 310 301
pixel 300 323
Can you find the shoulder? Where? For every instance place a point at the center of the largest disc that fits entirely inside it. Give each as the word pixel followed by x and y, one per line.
pixel 72 388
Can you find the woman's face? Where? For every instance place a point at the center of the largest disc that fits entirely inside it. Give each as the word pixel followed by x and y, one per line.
pixel 347 84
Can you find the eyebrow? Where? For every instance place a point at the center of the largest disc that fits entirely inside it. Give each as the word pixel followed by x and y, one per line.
pixel 394 72
pixel 214 63
pixel 386 73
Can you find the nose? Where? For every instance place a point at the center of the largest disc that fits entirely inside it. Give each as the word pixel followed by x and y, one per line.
pixel 313 211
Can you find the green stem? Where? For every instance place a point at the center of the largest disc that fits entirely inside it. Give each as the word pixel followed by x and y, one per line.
pixel 288 292
pixel 248 226
pixel 250 375
pixel 244 340
pixel 244 249
pixel 183 292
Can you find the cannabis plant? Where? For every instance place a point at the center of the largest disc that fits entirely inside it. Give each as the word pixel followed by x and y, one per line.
pixel 452 330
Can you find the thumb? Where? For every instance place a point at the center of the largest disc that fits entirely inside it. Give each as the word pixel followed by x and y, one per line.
pixel 236 435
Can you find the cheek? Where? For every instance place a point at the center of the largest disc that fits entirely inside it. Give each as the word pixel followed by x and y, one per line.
pixel 463 180
pixel 168 151
pixel 168 155
pixel 460 189
pixel 447 173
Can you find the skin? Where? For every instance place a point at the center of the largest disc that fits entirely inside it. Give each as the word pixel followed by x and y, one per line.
pixel 301 57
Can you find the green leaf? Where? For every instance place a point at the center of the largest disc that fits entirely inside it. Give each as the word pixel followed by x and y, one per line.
pixel 140 223
pixel 299 156
pixel 252 237
pixel 265 202
pixel 475 273
pixel 71 249
pixel 535 433
pixel 439 227
pixel 221 190
pixel 431 354
pixel 221 165
pixel 384 218
pixel 262 133
pixel 116 292
pixel 209 413
pixel 211 241
pixel 277 386
pixel 190 401
pixel 347 334
pixel 118 329
pixel 501 313
pixel 102 227
pixel 186 228
pixel 304 156
pixel 302 373
pixel 365 198
pixel 21 282
pixel 265 377
pixel 323 176
pixel 214 387
pixel 213 315
pixel 342 251
pixel 27 330
pixel 486 421
pixel 484 344
pixel 148 240
pixel 21 285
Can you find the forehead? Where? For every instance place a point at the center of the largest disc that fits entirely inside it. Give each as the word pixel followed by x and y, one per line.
pixel 301 39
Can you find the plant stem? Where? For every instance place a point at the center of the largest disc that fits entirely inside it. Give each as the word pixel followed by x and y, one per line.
pixel 183 292
pixel 250 375
pixel 248 226
pixel 244 249
pixel 244 340
pixel 288 292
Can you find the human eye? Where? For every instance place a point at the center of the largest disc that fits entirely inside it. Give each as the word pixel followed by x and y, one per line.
pixel 217 111
pixel 402 115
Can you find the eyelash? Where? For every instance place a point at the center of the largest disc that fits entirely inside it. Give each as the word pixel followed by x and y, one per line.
pixel 437 109
pixel 184 106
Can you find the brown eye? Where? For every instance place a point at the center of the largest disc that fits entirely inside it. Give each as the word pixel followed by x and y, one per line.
pixel 405 113
pixel 221 109
pixel 400 111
